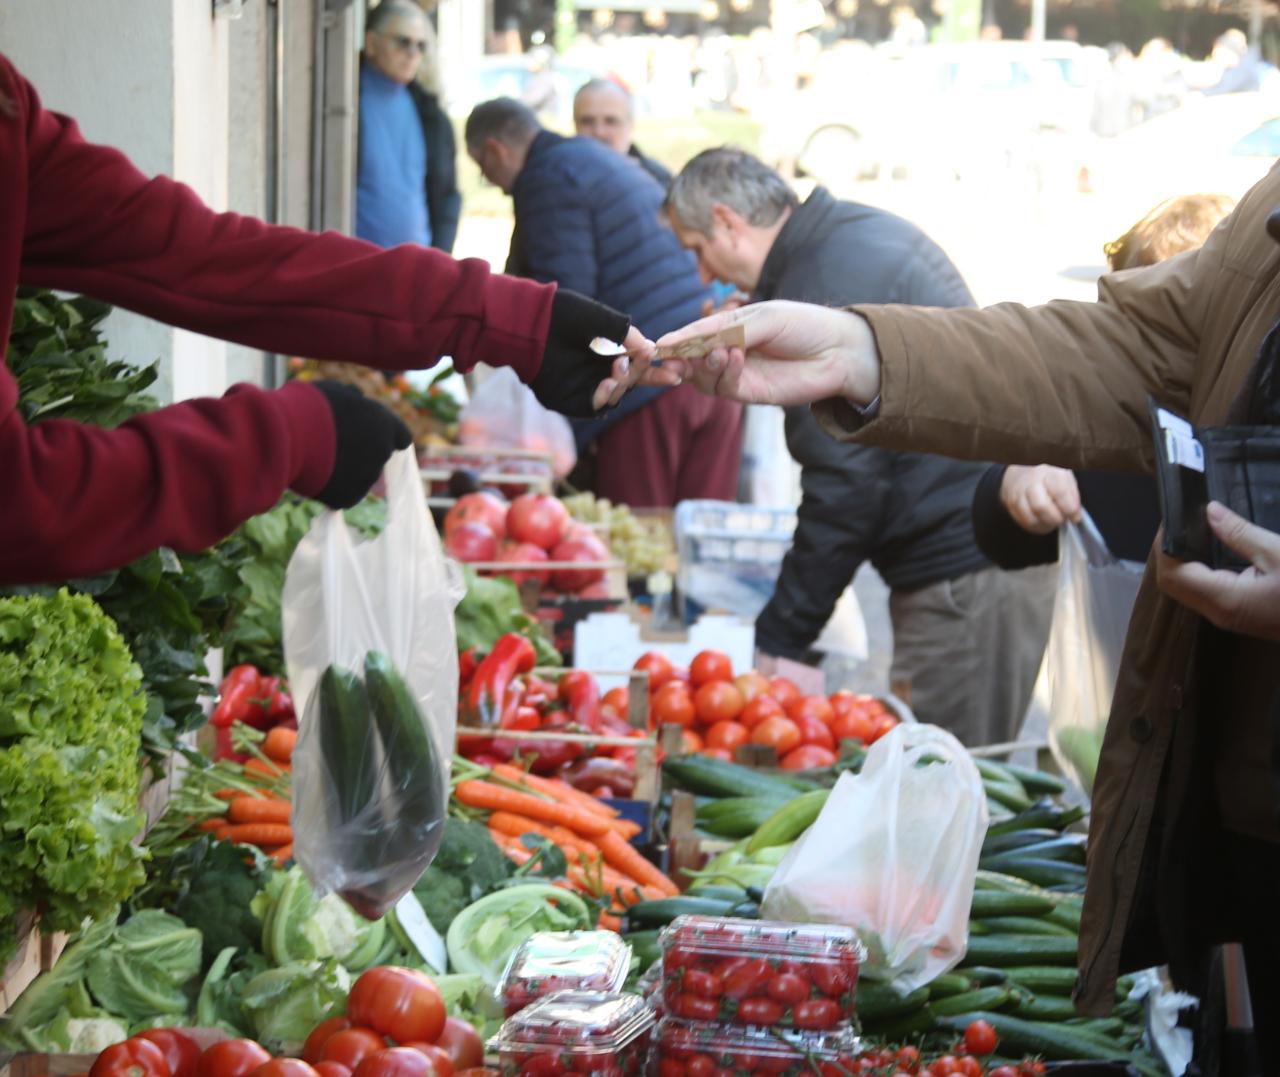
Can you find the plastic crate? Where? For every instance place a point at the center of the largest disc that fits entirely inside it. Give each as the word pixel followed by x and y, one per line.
pixel 730 555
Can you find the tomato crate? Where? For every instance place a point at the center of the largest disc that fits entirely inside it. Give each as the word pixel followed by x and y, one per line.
pixel 551 961
pixel 579 1032
pixel 513 471
pixel 684 1047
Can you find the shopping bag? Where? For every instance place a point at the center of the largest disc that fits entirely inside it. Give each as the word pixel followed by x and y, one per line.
pixel 369 645
pixel 503 413
pixel 893 854
pixel 1096 592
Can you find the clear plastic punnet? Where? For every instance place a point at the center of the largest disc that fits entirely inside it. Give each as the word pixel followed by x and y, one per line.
pixel 760 972
pixel 577 1032
pixel 736 1051
pixel 552 961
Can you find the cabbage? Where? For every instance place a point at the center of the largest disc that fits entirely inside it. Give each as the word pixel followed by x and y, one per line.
pixel 283 1005
pixel 296 926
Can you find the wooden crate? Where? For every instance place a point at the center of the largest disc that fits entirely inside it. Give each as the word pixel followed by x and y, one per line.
pixel 439 463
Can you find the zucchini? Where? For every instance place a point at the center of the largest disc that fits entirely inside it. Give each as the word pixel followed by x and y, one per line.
pixel 1016 839
pixel 987 903
pixel 948 984
pixel 1044 872
pixel 661 911
pixel 715 777
pixel 349 751
pixel 1013 950
pixel 981 998
pixel 416 774
pixel 878 1002
pixel 789 821
pixel 1055 1041
pixel 1024 925
pixel 1045 979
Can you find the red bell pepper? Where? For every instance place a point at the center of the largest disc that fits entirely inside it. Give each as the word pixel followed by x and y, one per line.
pixel 489 697
pixel 589 774
pixel 580 693
pixel 280 707
pixel 550 755
pixel 467 663
pixel 522 717
pixel 258 713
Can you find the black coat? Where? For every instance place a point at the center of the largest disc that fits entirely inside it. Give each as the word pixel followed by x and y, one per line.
pixel 908 513
pixel 444 202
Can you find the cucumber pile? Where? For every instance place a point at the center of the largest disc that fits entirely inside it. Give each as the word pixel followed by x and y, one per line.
pixel 1020 968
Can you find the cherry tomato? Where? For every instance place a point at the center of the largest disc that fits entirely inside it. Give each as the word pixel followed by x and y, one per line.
pixel 761 1011
pixel 727 735
pixel 700 1066
pixel 350 1047
pixel 717 701
pixel 284 1067
pixel 135 1057
pixel 780 734
pixel 907 1058
pixel 401 1003
pixel 542 1065
pixel 760 708
pixel 670 1067
pixel 440 1060
pixel 1003 1071
pixel 672 704
pixel 180 1050
pixel 832 978
pixel 701 983
pixel 659 668
pixel 312 1050
pixel 477 1071
pixel 943 1066
pixel 788 988
pixel 1032 1067
pixel 331 1069
pixel 695 1008
pixel 395 1062
pixel 968 1066
pixel 746 976
pixel 783 690
pixel 980 1038
pixel 817 1013
pixel 708 666
pixel 230 1058
pixel 462 1042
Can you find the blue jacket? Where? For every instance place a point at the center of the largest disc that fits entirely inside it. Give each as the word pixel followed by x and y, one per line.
pixel 589 219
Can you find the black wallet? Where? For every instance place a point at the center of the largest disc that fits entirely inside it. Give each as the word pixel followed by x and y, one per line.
pixel 1238 466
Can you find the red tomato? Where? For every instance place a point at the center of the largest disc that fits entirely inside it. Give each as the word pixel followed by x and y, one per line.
pixel 284 1067
pixel 672 704
pixel 696 1008
pixel 477 1071
pixel 832 978
pixel 751 685
pixel 537 518
pixel 727 735
pixel 180 1050
pixel 717 701
pixel 783 690
pixel 396 1062
pixel 701 983
pixel 690 741
pixel 811 707
pixel 440 1059
pixel 462 1042
pixel 619 699
pixel 943 1066
pixel 968 1066
pixel 760 708
pixel 1032 1067
pixel 788 988
pixel 477 508
pixel 134 1058
pixel 670 1067
pixel 350 1047
pixel 817 1013
pixel 331 1069
pixel 708 666
pixel 854 724
pixel 313 1049
pixel 745 976
pixel 807 757
pixel 882 726
pixel 980 1038
pixel 230 1058
pixel 659 668
pixel 700 1066
pixel 815 731
pixel 1003 1071
pixel 780 734
pixel 398 1002
pixel 723 754
pixel 908 1058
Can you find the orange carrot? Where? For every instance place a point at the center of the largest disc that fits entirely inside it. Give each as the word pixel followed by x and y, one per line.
pixel 229 794
pixel 212 825
pixel 478 794
pixel 278 746
pixel 258 810
pixel 261 833
pixel 283 854
pixel 559 790
pixel 267 770
pixel 609 922
pixel 619 853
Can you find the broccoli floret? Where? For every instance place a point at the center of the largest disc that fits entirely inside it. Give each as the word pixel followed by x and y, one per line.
pixel 468 866
pixel 217 898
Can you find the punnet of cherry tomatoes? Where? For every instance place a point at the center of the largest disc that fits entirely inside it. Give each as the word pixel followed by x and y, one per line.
pixel 395 1025
pixel 721 710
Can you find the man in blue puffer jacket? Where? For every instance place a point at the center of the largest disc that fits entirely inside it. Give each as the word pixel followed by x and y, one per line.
pixel 590 220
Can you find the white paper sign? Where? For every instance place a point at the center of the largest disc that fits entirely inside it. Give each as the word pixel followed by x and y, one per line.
pixel 422 933
pixel 611 642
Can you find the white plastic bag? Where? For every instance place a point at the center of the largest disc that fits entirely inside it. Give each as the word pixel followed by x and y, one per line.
pixel 1096 592
pixel 893 855
pixel 503 413
pixel 371 767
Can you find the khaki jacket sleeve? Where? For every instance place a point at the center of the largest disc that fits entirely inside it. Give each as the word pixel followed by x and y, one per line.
pixel 1065 383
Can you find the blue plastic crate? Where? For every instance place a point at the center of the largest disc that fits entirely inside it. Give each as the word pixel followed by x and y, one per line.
pixel 730 555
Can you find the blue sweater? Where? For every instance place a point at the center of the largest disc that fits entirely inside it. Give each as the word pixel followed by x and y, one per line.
pixel 392 173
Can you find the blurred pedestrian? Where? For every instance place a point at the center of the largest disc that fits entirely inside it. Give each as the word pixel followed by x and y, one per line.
pixel 967 637
pixel 406 177
pixel 589 219
pixel 1240 64
pixel 605 111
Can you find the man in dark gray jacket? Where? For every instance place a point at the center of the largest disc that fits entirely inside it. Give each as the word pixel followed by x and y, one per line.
pixel 967 637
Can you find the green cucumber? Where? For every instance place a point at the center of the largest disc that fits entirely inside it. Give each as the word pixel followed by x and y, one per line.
pixel 1067 915
pixel 718 893
pixel 1009 884
pixel 346 743
pixel 661 911
pixel 645 946
pixel 1045 979
pixel 740 817
pixel 1047 1008
pixel 904 1026
pixel 1111 1028
pixel 1016 839
pixel 1009 951
pixel 1044 872
pixel 715 777
pixel 716 809
pixel 879 1002
pixel 1013 797
pixel 999 903
pixel 1055 1041
pixel 1039 815
pixel 981 998
pixel 1068 848
pixel 1036 781
pixel 986 975
pixel 949 983
pixel 789 821
pixel 1024 925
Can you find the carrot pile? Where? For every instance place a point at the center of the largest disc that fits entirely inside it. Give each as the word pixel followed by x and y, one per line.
pixel 595 840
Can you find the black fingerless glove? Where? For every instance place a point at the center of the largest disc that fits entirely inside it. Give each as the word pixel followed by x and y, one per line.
pixel 366 434
pixel 571 372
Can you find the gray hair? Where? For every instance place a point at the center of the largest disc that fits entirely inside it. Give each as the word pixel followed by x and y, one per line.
pixel 379 16
pixel 607 86
pixel 731 177
pixel 504 118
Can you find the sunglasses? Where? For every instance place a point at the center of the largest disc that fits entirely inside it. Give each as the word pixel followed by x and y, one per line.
pixel 408 44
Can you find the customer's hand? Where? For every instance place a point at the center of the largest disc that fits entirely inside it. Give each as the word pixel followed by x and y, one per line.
pixel 1245 602
pixel 575 380
pixel 796 353
pixel 366 434
pixel 1040 499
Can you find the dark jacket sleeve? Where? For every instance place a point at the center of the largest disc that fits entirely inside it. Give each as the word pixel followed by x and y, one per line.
pixel 1000 538
pixel 836 528
pixel 444 201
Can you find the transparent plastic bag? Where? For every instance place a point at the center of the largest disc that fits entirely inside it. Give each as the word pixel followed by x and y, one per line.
pixel 1096 592
pixel 893 855
pixel 372 660
pixel 503 413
